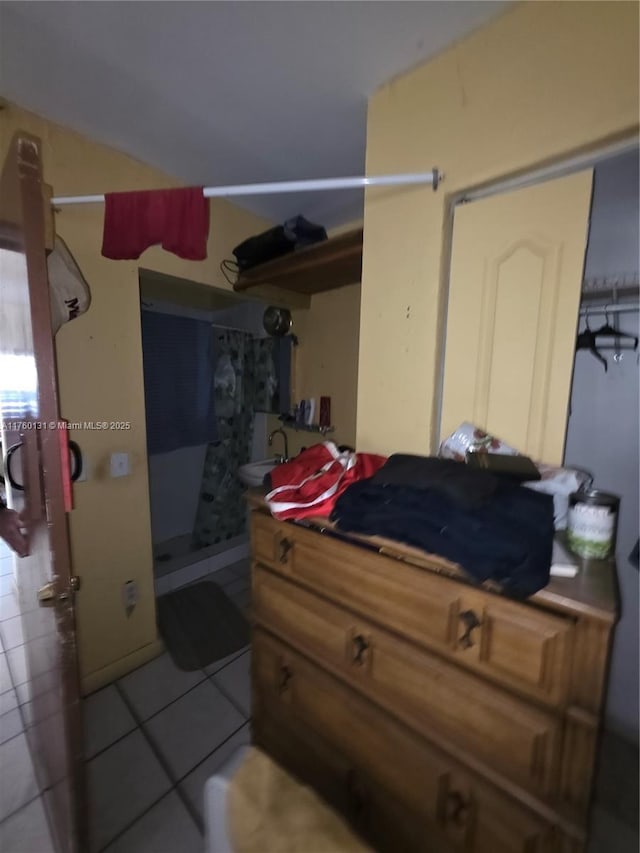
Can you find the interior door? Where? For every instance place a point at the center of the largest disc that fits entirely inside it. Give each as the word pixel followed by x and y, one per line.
pixel 516 273
pixel 30 418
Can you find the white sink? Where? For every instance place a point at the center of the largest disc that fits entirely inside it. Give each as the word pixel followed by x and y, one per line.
pixel 254 473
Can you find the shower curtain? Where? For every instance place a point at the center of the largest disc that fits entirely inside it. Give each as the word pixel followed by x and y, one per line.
pixel 245 381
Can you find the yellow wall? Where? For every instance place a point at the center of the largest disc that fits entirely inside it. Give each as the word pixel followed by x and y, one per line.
pixel 541 82
pixel 326 362
pixel 100 373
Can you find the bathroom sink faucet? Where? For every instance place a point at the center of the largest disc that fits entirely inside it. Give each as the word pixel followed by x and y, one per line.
pixel 284 458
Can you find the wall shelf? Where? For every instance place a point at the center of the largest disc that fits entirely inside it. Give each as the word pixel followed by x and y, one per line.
pixel 307 427
pixel 325 266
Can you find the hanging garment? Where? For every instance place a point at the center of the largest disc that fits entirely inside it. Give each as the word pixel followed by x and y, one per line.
pixel 177 219
pixel 310 484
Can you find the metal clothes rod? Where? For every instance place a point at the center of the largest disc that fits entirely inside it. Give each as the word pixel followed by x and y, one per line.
pixel 153 310
pixel 622 281
pixel 232 329
pixel 619 308
pixel 432 178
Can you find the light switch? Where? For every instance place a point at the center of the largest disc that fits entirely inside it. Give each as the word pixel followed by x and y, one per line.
pixel 120 465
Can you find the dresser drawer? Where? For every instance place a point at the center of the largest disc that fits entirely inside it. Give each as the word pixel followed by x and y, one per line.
pixel 379 819
pixel 514 644
pixel 438 699
pixel 447 800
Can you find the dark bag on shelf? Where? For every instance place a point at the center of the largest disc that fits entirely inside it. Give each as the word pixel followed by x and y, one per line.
pixel 280 240
pixel 262 248
pixel 518 468
pixel 304 233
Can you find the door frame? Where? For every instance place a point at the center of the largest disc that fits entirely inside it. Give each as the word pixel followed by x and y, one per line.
pixel 504 183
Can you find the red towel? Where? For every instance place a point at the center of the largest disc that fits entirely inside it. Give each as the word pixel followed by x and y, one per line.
pixel 178 219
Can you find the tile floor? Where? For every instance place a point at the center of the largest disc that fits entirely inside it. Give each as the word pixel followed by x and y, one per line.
pixel 152 740
pixel 154 737
pixel 23 824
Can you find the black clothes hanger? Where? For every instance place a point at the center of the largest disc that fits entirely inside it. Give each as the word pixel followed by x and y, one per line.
pixel 607 331
pixel 587 340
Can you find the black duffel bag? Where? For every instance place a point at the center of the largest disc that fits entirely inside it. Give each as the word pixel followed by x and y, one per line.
pixel 280 240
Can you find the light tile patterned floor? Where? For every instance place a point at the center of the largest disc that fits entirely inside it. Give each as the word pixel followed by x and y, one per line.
pixel 151 739
pixel 167 731
pixel 23 823
pixel 146 784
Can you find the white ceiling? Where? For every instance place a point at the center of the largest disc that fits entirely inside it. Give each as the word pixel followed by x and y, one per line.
pixel 225 92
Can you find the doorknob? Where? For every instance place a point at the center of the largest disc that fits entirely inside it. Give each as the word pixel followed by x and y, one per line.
pixel 74 453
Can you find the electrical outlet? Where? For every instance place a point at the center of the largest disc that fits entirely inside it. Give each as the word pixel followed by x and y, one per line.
pixel 129 596
pixel 119 464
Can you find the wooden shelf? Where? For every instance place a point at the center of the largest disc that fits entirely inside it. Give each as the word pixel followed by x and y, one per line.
pixel 323 430
pixel 325 266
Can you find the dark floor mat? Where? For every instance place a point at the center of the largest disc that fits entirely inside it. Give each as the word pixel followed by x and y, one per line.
pixel 200 625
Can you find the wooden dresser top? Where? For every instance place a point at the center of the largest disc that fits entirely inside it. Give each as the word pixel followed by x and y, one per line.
pixel 592 593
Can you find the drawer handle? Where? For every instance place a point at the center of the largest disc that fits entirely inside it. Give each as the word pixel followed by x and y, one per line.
pixel 470 622
pixel 285 676
pixel 456 808
pixel 360 649
pixel 285 546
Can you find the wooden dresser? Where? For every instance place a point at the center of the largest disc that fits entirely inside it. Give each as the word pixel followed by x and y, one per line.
pixel 435 715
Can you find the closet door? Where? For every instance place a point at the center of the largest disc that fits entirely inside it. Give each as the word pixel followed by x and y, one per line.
pixel 516 272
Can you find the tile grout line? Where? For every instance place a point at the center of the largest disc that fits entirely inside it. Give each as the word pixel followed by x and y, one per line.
pixel 140 666
pixel 131 672
pixel 100 752
pixel 141 726
pixel 175 784
pixel 177 699
pixel 137 820
pixel 213 751
pixel 21 712
pixel 30 802
pixel 228 696
pixel 13 737
pixel 121 692
pixel 159 758
pixel 174 788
